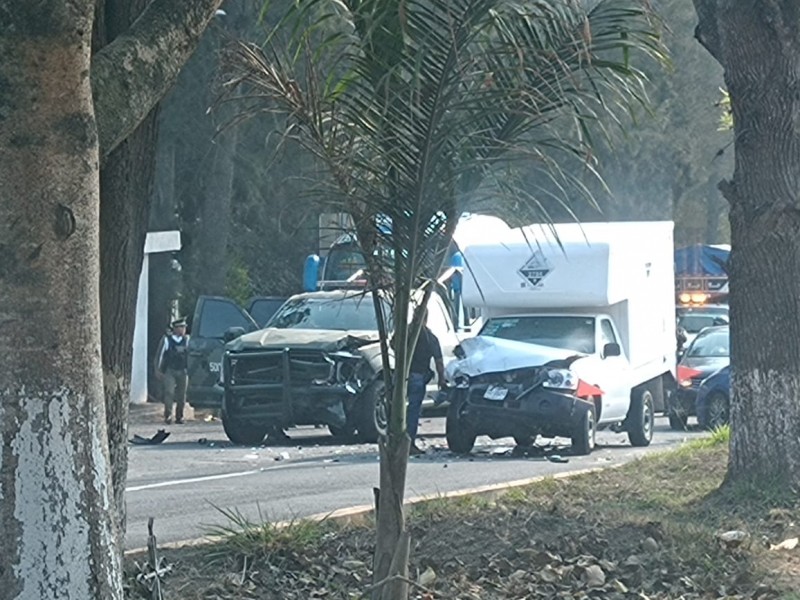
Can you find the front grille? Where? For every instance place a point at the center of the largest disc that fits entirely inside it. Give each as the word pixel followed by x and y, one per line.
pixel 298 367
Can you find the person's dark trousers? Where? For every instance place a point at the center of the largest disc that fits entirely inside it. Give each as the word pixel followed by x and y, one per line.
pixel 416 393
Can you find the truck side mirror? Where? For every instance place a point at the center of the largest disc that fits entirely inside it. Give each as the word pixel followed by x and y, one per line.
pixel 231 333
pixel 611 349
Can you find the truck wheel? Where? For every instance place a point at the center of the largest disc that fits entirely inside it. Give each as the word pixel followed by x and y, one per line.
pixel 243 433
pixel 640 418
pixel 372 412
pixel 345 432
pixel 583 436
pixel 460 436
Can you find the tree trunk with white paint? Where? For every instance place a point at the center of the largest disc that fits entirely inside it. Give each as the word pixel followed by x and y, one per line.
pixel 758 44
pixel 57 524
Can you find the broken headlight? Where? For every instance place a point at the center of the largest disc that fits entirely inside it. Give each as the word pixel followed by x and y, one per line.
pixel 561 379
pixel 461 381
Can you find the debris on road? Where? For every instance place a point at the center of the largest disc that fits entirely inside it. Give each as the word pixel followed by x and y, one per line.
pixel 158 438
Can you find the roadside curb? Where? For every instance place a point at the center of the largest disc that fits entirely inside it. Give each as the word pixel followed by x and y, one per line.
pixel 357 515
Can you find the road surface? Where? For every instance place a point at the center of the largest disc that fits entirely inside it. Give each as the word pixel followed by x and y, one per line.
pixel 184 481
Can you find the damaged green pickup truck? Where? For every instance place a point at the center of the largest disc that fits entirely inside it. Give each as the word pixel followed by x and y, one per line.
pixel 316 363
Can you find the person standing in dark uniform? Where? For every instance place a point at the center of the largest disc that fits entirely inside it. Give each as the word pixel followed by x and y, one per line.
pixel 420 375
pixel 171 368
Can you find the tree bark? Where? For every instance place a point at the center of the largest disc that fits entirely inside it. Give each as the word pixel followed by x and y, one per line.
pixel 758 44
pixel 130 75
pixel 126 181
pixel 57 524
pixel 215 212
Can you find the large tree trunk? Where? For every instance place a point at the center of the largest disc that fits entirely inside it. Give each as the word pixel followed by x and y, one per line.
pixel 57 524
pixel 758 44
pixel 126 181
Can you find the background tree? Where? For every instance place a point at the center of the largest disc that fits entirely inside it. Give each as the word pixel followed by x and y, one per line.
pixel 757 42
pixel 418 109
pixel 59 119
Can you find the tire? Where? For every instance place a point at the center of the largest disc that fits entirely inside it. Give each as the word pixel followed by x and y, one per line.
pixel 524 441
pixel 717 411
pixel 583 437
pixel 677 419
pixel 345 433
pixel 372 413
pixel 241 433
pixel 640 418
pixel 460 436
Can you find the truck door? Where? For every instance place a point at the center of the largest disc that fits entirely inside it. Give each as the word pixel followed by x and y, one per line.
pixel 212 317
pixel 615 374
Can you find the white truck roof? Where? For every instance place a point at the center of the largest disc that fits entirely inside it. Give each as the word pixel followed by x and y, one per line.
pixel 564 265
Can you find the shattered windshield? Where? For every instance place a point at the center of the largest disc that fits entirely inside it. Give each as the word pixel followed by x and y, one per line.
pixel 343 314
pixel 569 333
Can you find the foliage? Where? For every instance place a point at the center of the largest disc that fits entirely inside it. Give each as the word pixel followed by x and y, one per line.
pixel 242 536
pixel 238 285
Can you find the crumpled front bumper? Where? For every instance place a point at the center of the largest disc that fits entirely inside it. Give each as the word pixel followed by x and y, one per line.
pixel 538 411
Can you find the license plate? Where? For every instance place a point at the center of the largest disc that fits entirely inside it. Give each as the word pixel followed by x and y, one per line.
pixel 495 392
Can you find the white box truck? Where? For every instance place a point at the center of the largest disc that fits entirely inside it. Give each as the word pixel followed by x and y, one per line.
pixel 578 334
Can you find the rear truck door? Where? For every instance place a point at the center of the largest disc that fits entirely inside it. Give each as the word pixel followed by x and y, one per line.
pixel 261 308
pixel 213 315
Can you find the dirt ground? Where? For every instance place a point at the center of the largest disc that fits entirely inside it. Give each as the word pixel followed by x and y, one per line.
pixel 658 528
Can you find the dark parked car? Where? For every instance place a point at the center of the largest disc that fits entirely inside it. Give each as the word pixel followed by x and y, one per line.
pixel 713 399
pixel 213 316
pixel 707 354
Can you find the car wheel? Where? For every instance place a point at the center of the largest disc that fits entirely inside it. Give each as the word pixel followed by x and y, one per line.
pixel 717 411
pixel 583 437
pixel 640 418
pixel 372 412
pixel 677 419
pixel 243 433
pixel 345 432
pixel 525 441
pixel 460 436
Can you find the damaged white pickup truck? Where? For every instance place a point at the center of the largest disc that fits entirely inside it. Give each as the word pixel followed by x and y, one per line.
pixel 579 334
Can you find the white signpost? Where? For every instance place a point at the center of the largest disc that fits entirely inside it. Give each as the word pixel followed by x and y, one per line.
pixel 157 241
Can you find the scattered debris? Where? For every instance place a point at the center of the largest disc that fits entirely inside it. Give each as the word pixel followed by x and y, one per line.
pixel 159 437
pixel 789 544
pixel 732 539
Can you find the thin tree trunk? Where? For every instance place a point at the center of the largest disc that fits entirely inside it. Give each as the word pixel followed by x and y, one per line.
pixel 216 215
pixel 758 44
pixel 390 562
pixel 57 523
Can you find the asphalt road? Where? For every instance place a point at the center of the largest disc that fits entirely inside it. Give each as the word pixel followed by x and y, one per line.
pixel 185 481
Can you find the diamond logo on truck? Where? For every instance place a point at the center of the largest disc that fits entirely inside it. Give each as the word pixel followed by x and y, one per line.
pixel 535 270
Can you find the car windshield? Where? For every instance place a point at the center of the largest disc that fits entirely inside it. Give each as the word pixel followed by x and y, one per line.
pixel 344 314
pixel 711 344
pixel 696 322
pixel 570 333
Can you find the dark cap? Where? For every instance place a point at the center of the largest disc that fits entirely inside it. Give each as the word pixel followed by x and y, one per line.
pixel 178 323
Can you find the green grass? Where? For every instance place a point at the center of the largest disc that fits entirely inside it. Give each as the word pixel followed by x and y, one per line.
pixel 241 536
